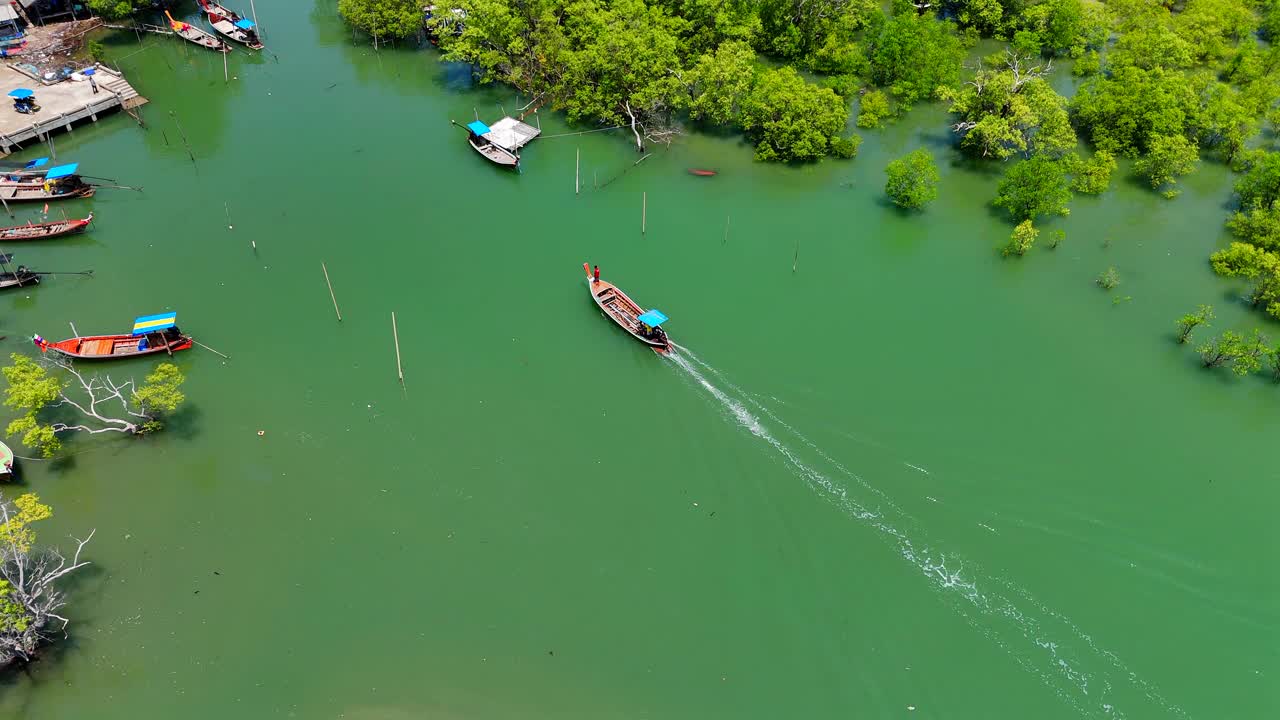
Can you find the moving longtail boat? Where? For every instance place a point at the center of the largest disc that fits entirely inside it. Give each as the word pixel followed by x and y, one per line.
pixel 193 34
pixel 231 24
pixel 151 334
pixel 45 230
pixel 59 183
pixel 643 326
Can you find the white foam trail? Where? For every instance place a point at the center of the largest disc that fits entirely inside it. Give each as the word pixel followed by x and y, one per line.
pixel 1058 662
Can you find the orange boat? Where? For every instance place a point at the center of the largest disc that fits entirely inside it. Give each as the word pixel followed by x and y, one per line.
pixel 643 326
pixel 151 334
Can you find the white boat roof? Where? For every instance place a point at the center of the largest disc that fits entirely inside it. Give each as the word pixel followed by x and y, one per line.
pixel 511 133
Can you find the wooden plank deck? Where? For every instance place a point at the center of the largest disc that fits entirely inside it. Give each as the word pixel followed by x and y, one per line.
pixel 61 104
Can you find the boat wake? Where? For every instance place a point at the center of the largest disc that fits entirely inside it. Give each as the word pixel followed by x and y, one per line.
pixel 1086 676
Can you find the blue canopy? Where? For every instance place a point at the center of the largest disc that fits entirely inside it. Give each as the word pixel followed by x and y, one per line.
pixel 653 318
pixel 62 171
pixel 36 163
pixel 21 93
pixel 244 24
pixel 478 127
pixel 152 323
pixel 88 71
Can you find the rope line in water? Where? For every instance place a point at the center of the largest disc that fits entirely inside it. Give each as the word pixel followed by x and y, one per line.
pixel 584 132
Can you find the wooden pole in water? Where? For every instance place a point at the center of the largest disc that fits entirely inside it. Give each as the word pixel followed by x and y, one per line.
pixel 74 333
pixel 185 144
pixel 395 333
pixel 644 209
pixel 225 51
pixel 726 230
pixel 577 163
pixel 6 206
pixel 206 347
pixel 796 260
pixel 254 10
pixel 331 295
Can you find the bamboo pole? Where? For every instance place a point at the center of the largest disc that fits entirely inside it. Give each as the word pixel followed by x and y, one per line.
pixel 395 334
pixel 206 347
pixel 726 230
pixel 796 260
pixel 254 10
pixel 577 163
pixel 331 295
pixel 225 52
pixel 6 205
pixel 185 144
pixel 74 333
pixel 644 208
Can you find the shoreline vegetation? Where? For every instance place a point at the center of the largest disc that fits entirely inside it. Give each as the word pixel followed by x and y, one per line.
pixel 1163 85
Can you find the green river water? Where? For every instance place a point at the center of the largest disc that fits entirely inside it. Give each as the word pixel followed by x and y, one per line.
pixel 909 479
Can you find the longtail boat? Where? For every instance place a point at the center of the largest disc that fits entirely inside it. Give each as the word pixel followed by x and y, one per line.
pixel 6 462
pixel 231 24
pixel 501 143
pixel 641 325
pixel 45 230
pixel 193 34
pixel 151 334
pixel 59 183
pixel 20 277
pixel 701 172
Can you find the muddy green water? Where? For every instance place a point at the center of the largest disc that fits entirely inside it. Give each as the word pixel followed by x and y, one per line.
pixel 908 475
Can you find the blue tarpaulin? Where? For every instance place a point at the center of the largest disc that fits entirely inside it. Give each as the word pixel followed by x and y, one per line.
pixel 36 163
pixel 88 71
pixel 21 93
pixel 653 318
pixel 477 127
pixel 152 323
pixel 244 24
pixel 62 171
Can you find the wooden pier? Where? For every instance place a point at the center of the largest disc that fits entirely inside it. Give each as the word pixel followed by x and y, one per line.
pixel 61 104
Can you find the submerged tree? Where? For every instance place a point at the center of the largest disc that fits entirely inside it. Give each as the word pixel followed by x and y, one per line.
pixel 1189 322
pixel 39 394
pixel 1034 187
pixel 793 119
pixel 1167 158
pixel 29 595
pixel 1023 237
pixel 912 180
pixel 1011 109
pixel 383 18
pixel 1222 350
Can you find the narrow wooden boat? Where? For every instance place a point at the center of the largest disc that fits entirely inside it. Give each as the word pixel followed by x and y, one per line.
pixel 495 153
pixel 641 325
pixel 35 192
pixel 193 34
pixel 231 24
pixel 701 173
pixel 45 230
pixel 6 462
pixel 117 347
pixel 19 278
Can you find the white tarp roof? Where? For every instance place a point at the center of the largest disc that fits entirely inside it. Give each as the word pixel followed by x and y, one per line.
pixel 511 133
pixel 7 13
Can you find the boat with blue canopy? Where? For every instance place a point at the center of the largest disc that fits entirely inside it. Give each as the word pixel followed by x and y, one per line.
pixel 501 142
pixel 151 334
pixel 231 24
pixel 643 325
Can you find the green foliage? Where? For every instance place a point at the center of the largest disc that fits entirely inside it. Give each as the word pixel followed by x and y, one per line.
pixel 913 56
pixel 792 119
pixel 16 533
pixel 1093 176
pixel 912 180
pixel 1122 111
pixel 113 9
pixel 1108 279
pixel 1011 110
pixel 1088 65
pixel 383 18
pixel 1221 350
pixel 97 50
pixel 1189 322
pixel 846 147
pixel 1034 187
pixel 160 393
pixel 803 29
pixel 31 387
pixel 1023 237
pixel 1169 157
pixel 1260 185
pixel 1259 226
pixel 720 83
pixel 14 618
pixel 1056 239
pixel 874 109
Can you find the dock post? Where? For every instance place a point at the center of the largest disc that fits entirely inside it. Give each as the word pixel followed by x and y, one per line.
pixel 644 207
pixel 395 334
pixel 331 295
pixel 6 205
pixel 726 230
pixel 577 161
pixel 795 260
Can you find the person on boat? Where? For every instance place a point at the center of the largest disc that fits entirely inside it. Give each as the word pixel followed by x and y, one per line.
pixel 597 274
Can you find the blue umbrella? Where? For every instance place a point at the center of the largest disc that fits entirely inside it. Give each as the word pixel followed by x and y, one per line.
pixel 21 93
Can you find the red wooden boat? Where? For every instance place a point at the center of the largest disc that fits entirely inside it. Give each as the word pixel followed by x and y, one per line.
pixel 701 173
pixel 643 326
pixel 41 231
pixel 151 334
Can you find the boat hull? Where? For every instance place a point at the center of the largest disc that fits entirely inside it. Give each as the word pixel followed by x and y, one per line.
pixel 495 154
pixel 10 280
pixel 44 231
pixel 620 308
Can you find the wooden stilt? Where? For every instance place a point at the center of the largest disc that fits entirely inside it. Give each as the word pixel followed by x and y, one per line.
pixel 331 295
pixel 726 230
pixel 796 260
pixel 395 334
pixel 644 209
pixel 577 162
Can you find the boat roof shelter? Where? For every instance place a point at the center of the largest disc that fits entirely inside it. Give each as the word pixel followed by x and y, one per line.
pixel 508 133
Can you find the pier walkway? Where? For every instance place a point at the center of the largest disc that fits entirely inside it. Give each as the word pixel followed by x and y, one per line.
pixel 61 104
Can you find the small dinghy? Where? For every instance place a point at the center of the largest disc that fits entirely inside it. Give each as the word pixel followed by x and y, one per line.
pixel 193 34
pixel 701 172
pixel 643 326
pixel 151 334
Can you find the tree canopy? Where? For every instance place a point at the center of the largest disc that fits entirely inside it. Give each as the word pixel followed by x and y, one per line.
pixel 912 180
pixel 382 18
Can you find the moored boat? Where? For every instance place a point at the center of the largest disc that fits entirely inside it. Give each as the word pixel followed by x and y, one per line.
pixel 193 34
pixel 645 326
pixel 59 183
pixel 151 334
pixel 231 24
pixel 6 462
pixel 18 278
pixel 700 172
pixel 501 143
pixel 45 230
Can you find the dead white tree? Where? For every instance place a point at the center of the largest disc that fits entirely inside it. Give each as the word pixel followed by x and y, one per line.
pixel 99 390
pixel 31 599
